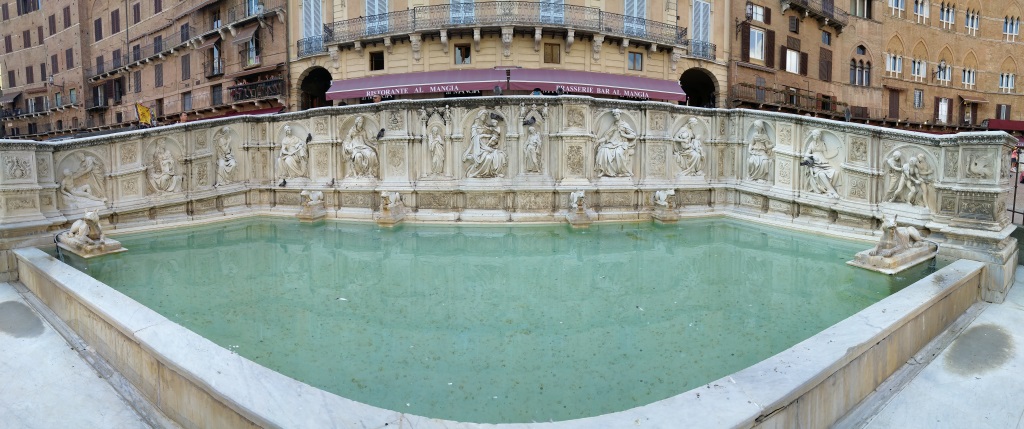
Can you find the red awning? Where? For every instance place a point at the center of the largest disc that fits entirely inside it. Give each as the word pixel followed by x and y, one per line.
pixel 597 84
pixel 417 83
pixel 572 82
pixel 1005 125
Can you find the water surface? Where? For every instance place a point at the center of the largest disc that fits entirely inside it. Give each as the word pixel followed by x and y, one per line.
pixel 498 324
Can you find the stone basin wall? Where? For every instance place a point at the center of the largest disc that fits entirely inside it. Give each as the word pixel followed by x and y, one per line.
pixel 500 159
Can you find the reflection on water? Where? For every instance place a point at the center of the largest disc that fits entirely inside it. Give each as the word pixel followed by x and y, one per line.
pixel 498 324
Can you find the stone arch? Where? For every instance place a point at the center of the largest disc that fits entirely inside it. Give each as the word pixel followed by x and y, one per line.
pixel 895 46
pixel 970 60
pixel 920 50
pixel 701 87
pixel 1008 65
pixel 945 54
pixel 703 129
pixel 1012 11
pixel 313 85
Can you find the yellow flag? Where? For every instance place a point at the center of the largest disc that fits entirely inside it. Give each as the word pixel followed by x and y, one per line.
pixel 145 117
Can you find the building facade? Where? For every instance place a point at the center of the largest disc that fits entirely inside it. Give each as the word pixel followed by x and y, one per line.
pixel 381 42
pixel 939 66
pixel 182 60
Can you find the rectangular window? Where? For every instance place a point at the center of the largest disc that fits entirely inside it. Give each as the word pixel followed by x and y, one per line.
pixel 792 60
pixel 58 99
pixel 700 26
pixel 99 65
pixel 1011 28
pixel 944 75
pixel 757 44
pixel 8 46
pixel 115 21
pixel 921 11
pixel 1006 82
pixel 972 21
pixel 794 25
pixel 967 77
pixel 918 70
pixel 72 96
pixel 6 12
pixel 897 7
pixel 942 110
pixel 136 53
pixel 186 67
pixel 69 58
pixel 26 39
pixel 377 60
pixel 158 75
pixel 67 16
pixel 252 51
pixel 947 16
pixel 137 80
pixel 861 8
pixel 39 34
pixel 893 65
pixel 10 79
pixel 158 44
pixel 216 95
pixel 756 13
pixel 97 29
pixel 462 54
pixel 552 53
pixel 51 21
pixel 635 61
pixel 186 101
pixel 215 19
pixel 136 13
pixel 918 98
pixel 1002 111
pixel 185 32
pixel 30 76
pixel 825 65
pixel 53 64
pixel 117 58
pixel 119 117
pixel 158 6
pixel 42 72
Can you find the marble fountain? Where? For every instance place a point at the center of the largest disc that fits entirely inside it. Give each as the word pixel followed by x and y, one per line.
pixel 567 159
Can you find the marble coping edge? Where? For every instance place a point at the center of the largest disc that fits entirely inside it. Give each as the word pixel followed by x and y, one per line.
pixel 274 400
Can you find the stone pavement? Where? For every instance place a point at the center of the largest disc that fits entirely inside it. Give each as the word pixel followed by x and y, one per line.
pixel 977 381
pixel 44 383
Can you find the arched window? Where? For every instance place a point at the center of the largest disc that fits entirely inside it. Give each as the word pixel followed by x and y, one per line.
pixel 860 69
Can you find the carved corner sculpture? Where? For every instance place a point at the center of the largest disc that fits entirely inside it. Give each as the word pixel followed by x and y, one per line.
pixel 313 208
pixel 664 210
pixel 86 239
pixel 392 211
pixel 900 247
pixel 578 216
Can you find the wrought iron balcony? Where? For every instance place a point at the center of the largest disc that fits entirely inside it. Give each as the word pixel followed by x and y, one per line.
pixel 313 45
pixel 257 90
pixel 794 99
pixel 213 68
pixel 823 10
pixel 581 19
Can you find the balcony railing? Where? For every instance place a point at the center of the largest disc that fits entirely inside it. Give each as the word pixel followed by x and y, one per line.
pixel 97 103
pixel 825 10
pixel 799 100
pixel 254 91
pixel 312 45
pixel 213 67
pixel 701 49
pixel 504 13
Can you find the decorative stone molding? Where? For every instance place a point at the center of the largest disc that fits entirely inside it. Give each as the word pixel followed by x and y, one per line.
pixel 416 39
pixel 335 57
pixel 506 41
pixel 652 50
pixel 537 33
pixel 444 41
pixel 387 44
pixel 596 47
pixel 623 46
pixel 358 46
pixel 476 39
pixel 570 37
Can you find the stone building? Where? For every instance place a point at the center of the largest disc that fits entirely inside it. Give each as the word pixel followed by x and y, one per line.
pixel 183 60
pixel 936 66
pixel 629 50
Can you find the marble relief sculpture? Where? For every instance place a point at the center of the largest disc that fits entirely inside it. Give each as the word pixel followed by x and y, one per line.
pixel 436 144
pixel 909 180
pixel 483 152
pixel 83 186
pixel 360 151
pixel 821 174
pixel 293 159
pixel 759 162
pixel 85 238
pixel 226 162
pixel 531 152
pixel 615 149
pixel 689 150
pixel 163 175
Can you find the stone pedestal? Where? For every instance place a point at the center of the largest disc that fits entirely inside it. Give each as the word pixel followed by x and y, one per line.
pixel 579 218
pixel 664 214
pixel 312 212
pixel 895 263
pixel 390 217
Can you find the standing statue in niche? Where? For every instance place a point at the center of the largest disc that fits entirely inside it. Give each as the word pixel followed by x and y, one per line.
pixel 689 151
pixel 488 160
pixel 292 160
pixel 759 163
pixel 360 151
pixel 615 149
pixel 436 145
pixel 225 159
pixel 162 175
pixel 532 150
pixel 821 174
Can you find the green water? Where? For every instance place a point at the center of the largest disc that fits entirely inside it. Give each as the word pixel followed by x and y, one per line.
pixel 498 324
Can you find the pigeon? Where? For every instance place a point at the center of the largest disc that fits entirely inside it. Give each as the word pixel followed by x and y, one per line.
pixel 496 116
pixel 309 138
pixel 532 120
pixel 380 134
pixel 284 182
pixel 331 183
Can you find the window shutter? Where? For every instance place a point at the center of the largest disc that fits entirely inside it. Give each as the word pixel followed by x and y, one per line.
pixel 745 41
pixel 825 65
pixel 936 115
pixel 767 16
pixel 1007 109
pixel 769 47
pixel 974 113
pixel 794 24
pixel 782 58
pixel 803 63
